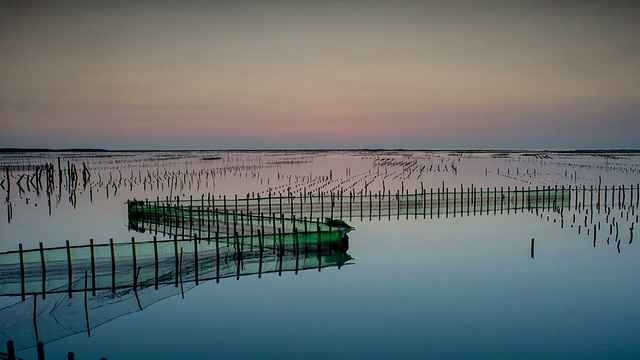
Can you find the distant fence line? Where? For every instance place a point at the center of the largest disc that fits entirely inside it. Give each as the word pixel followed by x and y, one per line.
pixel 175 213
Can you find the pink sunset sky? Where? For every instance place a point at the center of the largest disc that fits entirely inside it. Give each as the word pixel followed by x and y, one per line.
pixel 319 74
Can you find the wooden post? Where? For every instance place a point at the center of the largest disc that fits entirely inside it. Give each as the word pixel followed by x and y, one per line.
pixel 86 303
pixel 431 202
pixel 69 269
pixel 489 198
pixel 113 266
pixel 44 272
pixel 532 248
pixel 195 255
pixel 22 283
pixel 40 350
pixel 454 202
pixel 370 205
pixel 446 201
pixel 93 268
pixel 217 257
pixel 438 203
pixel 495 200
pixel 261 249
pixel 155 262
pixel 177 259
pixel 11 352
pixel 361 205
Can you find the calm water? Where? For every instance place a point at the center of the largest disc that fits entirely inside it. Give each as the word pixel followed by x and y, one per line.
pixel 449 287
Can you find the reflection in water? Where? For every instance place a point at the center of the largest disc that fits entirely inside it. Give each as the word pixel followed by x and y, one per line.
pixel 76 289
pixel 267 227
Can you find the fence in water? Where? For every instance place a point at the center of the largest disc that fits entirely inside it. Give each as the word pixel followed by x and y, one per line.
pixel 222 215
pixel 123 278
pixel 213 239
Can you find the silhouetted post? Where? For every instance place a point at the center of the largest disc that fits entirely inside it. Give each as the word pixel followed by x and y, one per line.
pixel 370 205
pixel 438 190
pixel 86 303
pixel 11 352
pixel 461 201
pixel 113 265
pixel 389 204
pixel 361 205
pixel 155 258
pixel 431 203
pixel 217 257
pixel 69 269
pixel 261 248
pixel 489 199
pixel 473 193
pixel 446 201
pixel 44 272
pixel 532 248
pixel 195 255
pixel 280 199
pixel 280 251
pixel 71 356
pixel 22 284
pixel 454 202
pixel 40 350
pixel 380 205
pixel 176 260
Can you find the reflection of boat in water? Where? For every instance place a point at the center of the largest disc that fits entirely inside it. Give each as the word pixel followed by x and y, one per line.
pixel 85 292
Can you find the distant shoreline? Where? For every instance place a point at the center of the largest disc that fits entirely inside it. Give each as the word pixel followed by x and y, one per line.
pixel 510 151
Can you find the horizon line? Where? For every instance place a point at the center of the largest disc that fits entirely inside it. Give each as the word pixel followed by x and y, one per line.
pixel 487 150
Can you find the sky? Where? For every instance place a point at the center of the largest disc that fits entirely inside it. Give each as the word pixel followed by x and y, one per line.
pixel 243 74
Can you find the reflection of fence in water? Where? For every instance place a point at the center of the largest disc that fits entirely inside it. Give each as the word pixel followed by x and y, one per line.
pixel 124 278
pixel 120 275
